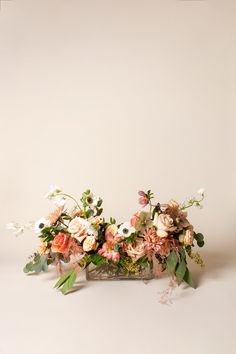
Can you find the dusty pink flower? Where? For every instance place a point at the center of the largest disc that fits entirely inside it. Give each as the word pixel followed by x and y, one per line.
pixel 143 200
pixel 158 245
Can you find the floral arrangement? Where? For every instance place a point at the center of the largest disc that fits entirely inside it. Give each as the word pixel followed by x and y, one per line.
pixel 156 238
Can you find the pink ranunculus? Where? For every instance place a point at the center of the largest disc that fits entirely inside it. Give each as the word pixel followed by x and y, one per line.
pixel 142 194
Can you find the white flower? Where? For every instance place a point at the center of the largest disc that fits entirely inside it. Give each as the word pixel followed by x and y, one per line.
pixel 96 200
pixel 41 224
pixel 126 229
pixel 81 228
pixel 89 243
pixel 92 200
pixel 201 191
pixel 53 191
pixel 17 228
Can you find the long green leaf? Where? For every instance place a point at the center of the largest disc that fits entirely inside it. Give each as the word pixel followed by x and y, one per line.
pixel 180 272
pixel 172 261
pixel 63 278
pixel 188 279
pixel 69 283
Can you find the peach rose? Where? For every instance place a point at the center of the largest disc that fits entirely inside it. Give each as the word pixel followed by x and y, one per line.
pixel 164 224
pixel 60 243
pixel 111 232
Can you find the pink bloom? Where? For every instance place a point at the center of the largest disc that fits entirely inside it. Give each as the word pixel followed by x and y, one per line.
pixel 108 252
pixel 143 200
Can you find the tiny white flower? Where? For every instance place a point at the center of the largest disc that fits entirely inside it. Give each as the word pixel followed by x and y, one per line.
pixel 126 229
pixel 201 191
pixel 16 228
pixel 41 224
pixel 53 191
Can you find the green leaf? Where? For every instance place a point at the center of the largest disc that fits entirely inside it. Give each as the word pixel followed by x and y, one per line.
pixel 38 264
pixel 63 278
pixel 200 243
pixel 68 284
pixel 28 267
pixel 172 261
pixel 180 271
pixel 99 203
pixel 199 237
pixel 97 259
pixel 99 211
pixel 89 213
pixel 188 279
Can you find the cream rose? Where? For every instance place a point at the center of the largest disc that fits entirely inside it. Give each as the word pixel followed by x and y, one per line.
pixel 188 238
pixel 164 224
pixel 80 228
pixel 89 243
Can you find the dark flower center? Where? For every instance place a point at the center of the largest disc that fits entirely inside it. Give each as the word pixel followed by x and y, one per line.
pixel 125 230
pixel 41 225
pixel 89 200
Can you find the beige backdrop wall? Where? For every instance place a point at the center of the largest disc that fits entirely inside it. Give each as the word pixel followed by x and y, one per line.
pixel 118 95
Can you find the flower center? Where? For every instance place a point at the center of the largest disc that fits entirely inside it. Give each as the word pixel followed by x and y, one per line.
pixel 41 225
pixel 125 230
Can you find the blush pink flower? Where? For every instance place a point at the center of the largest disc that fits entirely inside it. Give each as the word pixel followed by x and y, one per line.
pixel 143 200
pixel 158 245
pixel 108 252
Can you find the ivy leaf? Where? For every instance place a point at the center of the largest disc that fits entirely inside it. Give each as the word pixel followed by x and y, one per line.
pixel 172 261
pixel 180 271
pixel 188 279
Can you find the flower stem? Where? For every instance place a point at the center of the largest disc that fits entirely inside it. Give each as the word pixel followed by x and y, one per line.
pixel 69 196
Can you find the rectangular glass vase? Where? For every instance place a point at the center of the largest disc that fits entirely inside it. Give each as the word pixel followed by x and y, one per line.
pixel 112 272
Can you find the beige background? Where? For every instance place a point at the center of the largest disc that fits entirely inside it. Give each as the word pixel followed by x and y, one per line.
pixel 118 95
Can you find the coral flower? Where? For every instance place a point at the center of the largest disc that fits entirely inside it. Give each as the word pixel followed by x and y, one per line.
pixel 60 243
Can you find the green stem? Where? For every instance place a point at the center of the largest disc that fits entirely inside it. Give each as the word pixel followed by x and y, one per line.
pixel 69 196
pixel 192 203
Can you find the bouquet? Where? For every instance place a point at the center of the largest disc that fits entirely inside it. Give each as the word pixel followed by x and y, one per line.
pixel 157 238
